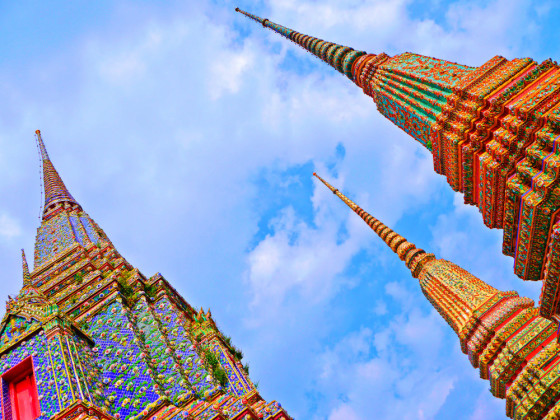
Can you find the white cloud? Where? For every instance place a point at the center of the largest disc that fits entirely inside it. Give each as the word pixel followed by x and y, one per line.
pixel 486 408
pixel 374 370
pixel 451 30
pixel 296 258
pixel 9 227
pixel 380 308
pixel 227 71
pixel 344 412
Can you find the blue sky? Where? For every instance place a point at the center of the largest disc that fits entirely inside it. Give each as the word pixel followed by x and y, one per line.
pixel 190 133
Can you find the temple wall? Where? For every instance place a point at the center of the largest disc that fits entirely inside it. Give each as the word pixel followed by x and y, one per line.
pixel 50 391
pixel 53 236
pixel 409 122
pixel 174 325
pixel 128 372
pixel 164 361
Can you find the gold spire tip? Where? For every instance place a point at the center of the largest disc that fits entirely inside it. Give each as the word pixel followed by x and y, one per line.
pixel 329 186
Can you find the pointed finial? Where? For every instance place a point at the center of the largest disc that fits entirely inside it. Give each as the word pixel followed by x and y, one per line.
pixel 338 56
pixel 26 274
pixel 414 258
pixel 55 190
pixel 44 154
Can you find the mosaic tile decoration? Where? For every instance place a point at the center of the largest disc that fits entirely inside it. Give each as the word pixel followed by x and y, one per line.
pixel 492 131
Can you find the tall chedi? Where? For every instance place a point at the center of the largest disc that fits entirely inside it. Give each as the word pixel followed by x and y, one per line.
pixel 90 337
pixel 502 334
pixel 492 131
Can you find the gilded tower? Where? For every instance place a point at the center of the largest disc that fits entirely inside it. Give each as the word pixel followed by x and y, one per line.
pixel 492 131
pixel 503 334
pixel 90 337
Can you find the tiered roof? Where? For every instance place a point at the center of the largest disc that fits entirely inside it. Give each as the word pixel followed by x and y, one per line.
pixel 109 342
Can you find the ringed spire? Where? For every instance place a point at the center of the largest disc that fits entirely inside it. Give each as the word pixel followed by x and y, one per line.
pixel 341 57
pixel 55 190
pixel 414 257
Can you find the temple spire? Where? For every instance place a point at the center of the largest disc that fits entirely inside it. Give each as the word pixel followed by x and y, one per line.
pixel 493 131
pixel 414 257
pixel 338 56
pixel 55 190
pixel 409 89
pixel 26 274
pixel 456 294
pixel 500 332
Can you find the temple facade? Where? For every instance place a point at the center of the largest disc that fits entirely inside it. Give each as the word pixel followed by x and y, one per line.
pixel 90 337
pixel 503 335
pixel 492 131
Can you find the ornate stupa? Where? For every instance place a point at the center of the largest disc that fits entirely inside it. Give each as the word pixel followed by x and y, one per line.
pixel 502 334
pixel 492 131
pixel 90 337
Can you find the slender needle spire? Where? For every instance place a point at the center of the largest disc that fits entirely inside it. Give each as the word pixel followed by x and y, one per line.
pixel 55 190
pixel 26 274
pixel 338 56
pixel 414 257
